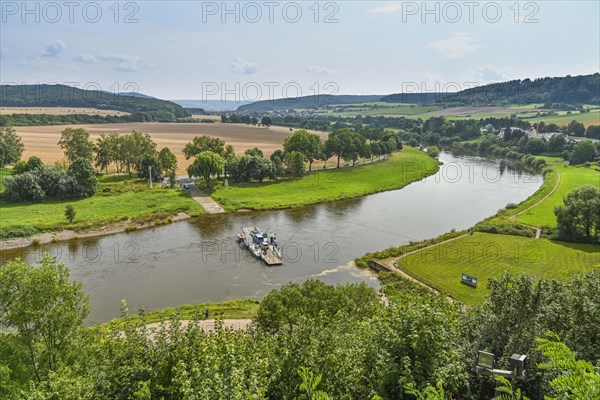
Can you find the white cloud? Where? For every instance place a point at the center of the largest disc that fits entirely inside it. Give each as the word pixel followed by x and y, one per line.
pixel 241 66
pixel 387 9
pixel 54 49
pixel 85 58
pixel 126 62
pixel 456 46
pixel 490 73
pixel 34 62
pixel 319 70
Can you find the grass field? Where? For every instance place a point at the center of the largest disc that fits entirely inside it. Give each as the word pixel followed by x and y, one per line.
pixel 398 171
pixel 571 177
pixel 387 110
pixel 117 199
pixel 486 255
pixel 587 119
pixel 231 309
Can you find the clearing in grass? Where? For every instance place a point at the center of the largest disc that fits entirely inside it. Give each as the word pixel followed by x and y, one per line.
pixel 399 170
pixel 486 255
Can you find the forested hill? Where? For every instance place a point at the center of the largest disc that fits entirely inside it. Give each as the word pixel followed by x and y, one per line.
pixel 583 89
pixel 145 107
pixel 306 102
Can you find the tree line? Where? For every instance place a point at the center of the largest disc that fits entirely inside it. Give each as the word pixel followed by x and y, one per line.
pixel 132 153
pixel 212 158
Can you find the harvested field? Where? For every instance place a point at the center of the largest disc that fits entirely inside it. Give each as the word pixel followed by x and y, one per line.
pixel 42 141
pixel 59 111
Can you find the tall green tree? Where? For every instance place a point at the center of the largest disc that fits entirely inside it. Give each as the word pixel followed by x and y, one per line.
pixel 579 217
pixel 76 144
pixel 205 143
pixel 294 162
pixel 582 152
pixel 150 165
pixel 106 150
pixel 11 146
pixel 254 152
pixel 85 175
pixel 266 121
pixel 168 160
pixel 309 144
pixel 206 165
pixel 46 311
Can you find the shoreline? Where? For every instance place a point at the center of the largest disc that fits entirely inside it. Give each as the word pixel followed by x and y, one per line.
pixel 67 234
pixel 124 226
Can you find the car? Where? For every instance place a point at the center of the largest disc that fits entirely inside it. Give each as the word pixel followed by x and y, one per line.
pixel 186 186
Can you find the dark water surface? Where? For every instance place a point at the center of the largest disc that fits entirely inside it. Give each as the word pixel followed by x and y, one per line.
pixel 199 260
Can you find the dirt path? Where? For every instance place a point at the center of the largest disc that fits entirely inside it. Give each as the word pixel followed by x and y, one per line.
pixel 538 202
pixel 392 264
pixel 206 325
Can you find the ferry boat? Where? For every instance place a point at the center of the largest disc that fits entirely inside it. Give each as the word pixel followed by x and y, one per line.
pixel 261 245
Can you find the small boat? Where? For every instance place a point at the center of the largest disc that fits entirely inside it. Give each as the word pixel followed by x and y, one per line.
pixel 261 245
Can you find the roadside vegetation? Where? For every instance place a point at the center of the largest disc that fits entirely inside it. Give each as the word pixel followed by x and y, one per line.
pixel 230 309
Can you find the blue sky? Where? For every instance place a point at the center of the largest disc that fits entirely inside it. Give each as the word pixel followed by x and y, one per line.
pixel 196 50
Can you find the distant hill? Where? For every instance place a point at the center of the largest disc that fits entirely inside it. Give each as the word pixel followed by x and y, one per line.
pixel 211 105
pixel 136 94
pixel 306 102
pixel 144 108
pixel 195 110
pixel 583 89
pixel 412 98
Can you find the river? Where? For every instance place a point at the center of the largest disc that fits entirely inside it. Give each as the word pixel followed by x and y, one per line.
pixel 198 260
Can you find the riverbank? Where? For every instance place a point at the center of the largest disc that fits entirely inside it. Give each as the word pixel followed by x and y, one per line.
pixel 504 242
pixel 321 186
pixel 119 204
pixel 63 235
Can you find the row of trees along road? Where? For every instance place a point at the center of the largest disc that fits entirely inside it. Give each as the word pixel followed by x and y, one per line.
pixel 214 158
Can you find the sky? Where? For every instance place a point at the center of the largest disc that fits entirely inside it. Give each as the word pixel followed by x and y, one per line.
pixel 246 51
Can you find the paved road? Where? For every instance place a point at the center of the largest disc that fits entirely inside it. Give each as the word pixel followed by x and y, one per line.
pixel 209 205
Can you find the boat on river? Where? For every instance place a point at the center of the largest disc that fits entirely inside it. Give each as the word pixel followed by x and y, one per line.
pixel 262 245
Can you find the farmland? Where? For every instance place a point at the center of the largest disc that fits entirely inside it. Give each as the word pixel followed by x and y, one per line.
pixel 42 141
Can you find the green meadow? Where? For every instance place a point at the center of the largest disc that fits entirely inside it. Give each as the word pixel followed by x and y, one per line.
pixel 399 170
pixel 571 177
pixel 117 199
pixel 486 255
